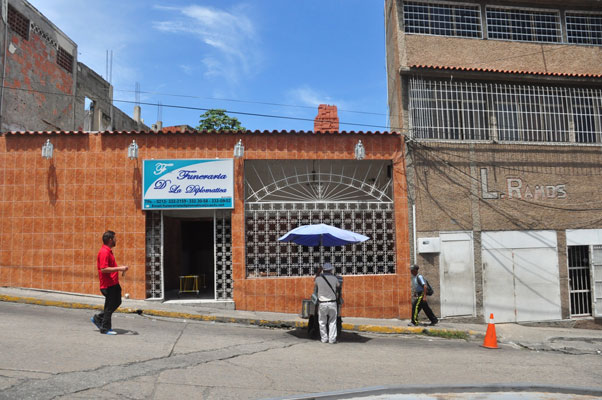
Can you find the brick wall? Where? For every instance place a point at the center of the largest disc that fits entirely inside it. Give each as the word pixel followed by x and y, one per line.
pixel 327 119
pixel 530 186
pixel 527 187
pixel 32 77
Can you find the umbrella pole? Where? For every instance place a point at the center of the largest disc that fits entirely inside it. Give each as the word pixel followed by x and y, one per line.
pixel 321 251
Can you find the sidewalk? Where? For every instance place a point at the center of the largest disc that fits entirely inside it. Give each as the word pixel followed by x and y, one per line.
pixel 554 336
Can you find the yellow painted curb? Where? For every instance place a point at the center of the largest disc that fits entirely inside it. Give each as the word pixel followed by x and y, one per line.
pixel 248 321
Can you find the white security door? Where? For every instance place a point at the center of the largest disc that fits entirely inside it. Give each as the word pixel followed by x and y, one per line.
pixel 537 284
pixel 498 285
pixel 520 276
pixel 456 268
pixel 597 278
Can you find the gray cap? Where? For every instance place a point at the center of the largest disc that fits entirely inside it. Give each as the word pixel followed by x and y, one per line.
pixel 414 267
pixel 327 267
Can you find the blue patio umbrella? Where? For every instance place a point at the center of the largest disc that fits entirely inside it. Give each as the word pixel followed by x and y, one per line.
pixel 322 235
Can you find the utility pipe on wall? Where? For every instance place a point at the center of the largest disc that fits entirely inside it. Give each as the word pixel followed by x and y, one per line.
pixel 5 49
pixel 415 256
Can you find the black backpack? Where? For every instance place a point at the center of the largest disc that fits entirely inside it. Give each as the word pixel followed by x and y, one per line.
pixel 429 289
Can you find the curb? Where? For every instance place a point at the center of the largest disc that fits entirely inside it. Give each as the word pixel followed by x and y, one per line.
pixel 439 332
pixel 454 391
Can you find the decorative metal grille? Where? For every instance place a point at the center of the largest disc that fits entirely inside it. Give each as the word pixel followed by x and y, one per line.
pixel 64 59
pixel 351 195
pixel 154 240
pixel 266 222
pixel 464 110
pixel 18 22
pixel 223 255
pixel 584 28
pixel 525 25
pixel 580 281
pixel 443 19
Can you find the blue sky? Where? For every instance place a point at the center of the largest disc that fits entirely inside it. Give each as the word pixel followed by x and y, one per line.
pixel 271 57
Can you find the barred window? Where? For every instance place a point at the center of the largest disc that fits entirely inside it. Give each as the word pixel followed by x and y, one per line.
pixel 266 256
pixel 586 110
pixel 525 25
pixel 448 110
pixel 584 28
pixel 440 109
pixel 348 194
pixel 18 22
pixel 444 19
pixel 64 59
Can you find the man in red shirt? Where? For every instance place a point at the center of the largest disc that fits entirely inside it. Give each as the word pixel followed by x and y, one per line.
pixel 108 274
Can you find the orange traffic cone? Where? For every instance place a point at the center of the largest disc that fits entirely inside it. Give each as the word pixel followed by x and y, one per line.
pixel 490 338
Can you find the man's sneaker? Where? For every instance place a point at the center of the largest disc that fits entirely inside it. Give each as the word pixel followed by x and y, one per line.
pixel 94 322
pixel 434 323
pixel 110 332
pixel 413 324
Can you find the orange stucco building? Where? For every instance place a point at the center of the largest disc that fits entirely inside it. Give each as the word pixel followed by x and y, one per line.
pixel 54 211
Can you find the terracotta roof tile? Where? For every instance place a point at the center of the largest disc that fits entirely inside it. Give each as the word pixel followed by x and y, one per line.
pixel 150 132
pixel 44 133
pixel 504 71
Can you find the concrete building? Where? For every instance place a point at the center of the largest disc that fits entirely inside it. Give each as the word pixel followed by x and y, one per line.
pixel 195 222
pixel 501 106
pixel 44 87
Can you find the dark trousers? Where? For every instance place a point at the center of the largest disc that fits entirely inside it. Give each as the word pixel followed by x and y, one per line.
pixel 112 296
pixel 418 304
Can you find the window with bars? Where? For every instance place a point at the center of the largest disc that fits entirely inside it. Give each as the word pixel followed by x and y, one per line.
pixel 64 59
pixel 442 109
pixel 584 28
pixel 503 23
pixel 524 25
pixel 267 257
pixel 443 19
pixel 18 22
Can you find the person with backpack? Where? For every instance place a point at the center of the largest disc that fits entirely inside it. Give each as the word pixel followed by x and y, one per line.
pixel 326 288
pixel 421 289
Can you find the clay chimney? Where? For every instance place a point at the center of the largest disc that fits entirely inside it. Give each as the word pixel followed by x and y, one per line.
pixel 327 119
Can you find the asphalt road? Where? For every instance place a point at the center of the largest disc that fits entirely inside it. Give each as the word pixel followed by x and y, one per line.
pixel 56 353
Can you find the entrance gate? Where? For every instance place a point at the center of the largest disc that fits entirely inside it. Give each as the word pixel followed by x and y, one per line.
pixel 520 276
pixel 222 251
pixel 579 281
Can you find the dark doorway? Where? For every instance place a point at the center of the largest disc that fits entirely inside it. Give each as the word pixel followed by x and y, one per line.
pixel 189 258
pixel 580 288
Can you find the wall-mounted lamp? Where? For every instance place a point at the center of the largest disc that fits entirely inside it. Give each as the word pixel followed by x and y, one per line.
pixel 239 149
pixel 360 151
pixel 133 150
pixel 47 150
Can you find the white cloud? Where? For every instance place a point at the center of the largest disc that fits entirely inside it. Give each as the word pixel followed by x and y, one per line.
pixel 230 36
pixel 187 69
pixel 307 96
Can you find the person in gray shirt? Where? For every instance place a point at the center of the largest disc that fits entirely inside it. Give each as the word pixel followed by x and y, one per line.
pixel 326 288
pixel 419 288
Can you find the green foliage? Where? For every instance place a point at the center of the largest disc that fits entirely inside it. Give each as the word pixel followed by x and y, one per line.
pixel 443 333
pixel 216 119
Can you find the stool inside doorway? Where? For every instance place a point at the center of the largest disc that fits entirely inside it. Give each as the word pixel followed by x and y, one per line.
pixel 189 284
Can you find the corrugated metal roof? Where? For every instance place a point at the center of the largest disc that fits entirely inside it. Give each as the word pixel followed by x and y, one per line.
pixel 504 71
pixel 195 132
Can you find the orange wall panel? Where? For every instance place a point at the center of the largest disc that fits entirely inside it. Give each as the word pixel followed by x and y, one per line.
pixel 53 213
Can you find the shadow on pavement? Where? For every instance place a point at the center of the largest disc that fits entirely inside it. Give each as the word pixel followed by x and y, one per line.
pixel 125 332
pixel 344 337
